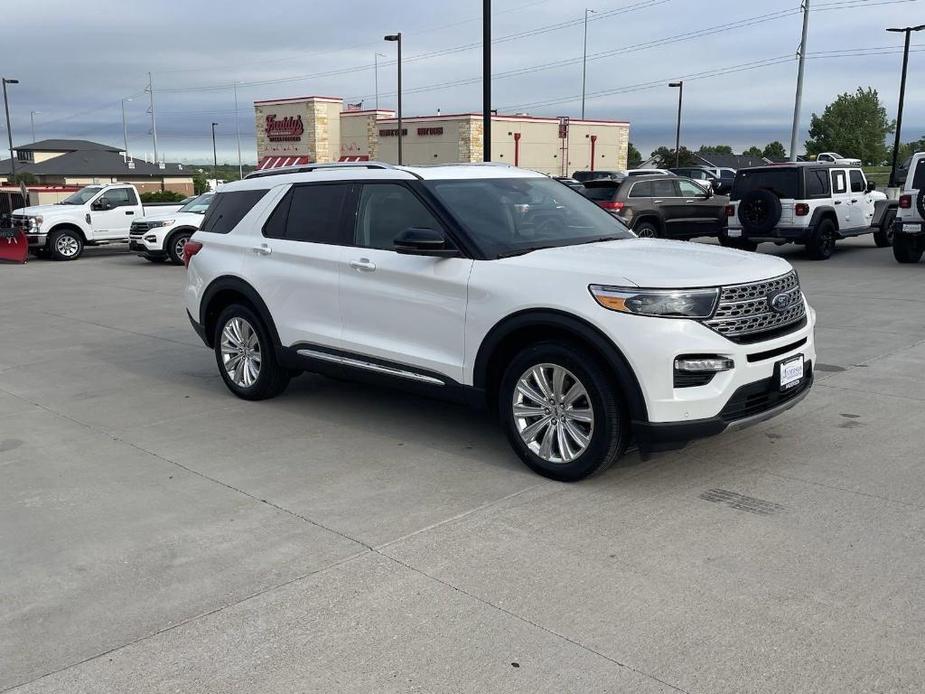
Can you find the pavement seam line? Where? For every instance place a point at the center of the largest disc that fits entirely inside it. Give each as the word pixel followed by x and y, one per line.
pixel 121 330
pixel 869 392
pixel 530 622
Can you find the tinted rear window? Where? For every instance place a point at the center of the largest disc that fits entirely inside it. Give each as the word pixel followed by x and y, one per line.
pixel 600 192
pixel 817 183
pixel 785 183
pixel 918 179
pixel 227 209
pixel 309 213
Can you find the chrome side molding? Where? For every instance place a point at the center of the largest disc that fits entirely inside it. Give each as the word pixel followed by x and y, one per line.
pixel 369 366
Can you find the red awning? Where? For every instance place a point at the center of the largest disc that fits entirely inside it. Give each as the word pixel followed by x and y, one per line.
pixel 277 162
pixel 363 157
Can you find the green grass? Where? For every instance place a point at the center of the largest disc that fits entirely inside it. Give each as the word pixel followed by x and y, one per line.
pixel 879 174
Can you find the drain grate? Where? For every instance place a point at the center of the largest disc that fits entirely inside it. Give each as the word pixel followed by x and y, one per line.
pixel 741 502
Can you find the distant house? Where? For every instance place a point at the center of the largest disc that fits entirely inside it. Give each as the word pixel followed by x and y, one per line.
pixel 79 162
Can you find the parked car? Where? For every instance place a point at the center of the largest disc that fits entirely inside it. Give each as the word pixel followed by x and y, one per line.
pixel 93 216
pixel 571 183
pixel 909 229
pixel 583 176
pixel 806 203
pixel 704 177
pixel 649 172
pixel 161 237
pixel 493 285
pixel 836 158
pixel 661 206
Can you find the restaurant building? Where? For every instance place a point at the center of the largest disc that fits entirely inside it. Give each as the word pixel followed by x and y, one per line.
pixel 319 129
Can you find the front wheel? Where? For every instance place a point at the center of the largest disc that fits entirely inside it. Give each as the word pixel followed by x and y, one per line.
pixel 65 244
pixel 646 230
pixel 822 244
pixel 245 355
pixel 905 249
pixel 562 412
pixel 884 237
pixel 175 246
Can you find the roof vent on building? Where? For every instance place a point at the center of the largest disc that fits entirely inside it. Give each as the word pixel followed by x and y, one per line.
pixel 162 165
pixel 179 167
pixel 131 163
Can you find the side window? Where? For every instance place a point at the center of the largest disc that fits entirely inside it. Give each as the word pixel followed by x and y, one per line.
pixel 817 183
pixel 690 190
pixel 227 209
pixel 857 181
pixel 839 182
pixel 642 189
pixel 385 210
pixel 118 197
pixel 663 188
pixel 312 214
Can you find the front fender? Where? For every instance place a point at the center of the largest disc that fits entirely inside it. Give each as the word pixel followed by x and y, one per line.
pixel 80 223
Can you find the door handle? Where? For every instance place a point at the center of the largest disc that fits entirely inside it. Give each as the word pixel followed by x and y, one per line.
pixel 262 249
pixel 837 202
pixel 363 265
pixel 657 202
pixel 854 200
pixel 129 212
pixel 689 201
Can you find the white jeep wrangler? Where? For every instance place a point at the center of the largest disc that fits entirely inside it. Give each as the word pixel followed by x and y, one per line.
pixel 909 229
pixel 806 203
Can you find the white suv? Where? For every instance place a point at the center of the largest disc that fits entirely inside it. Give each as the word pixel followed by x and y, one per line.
pixel 909 231
pixel 497 285
pixel 161 237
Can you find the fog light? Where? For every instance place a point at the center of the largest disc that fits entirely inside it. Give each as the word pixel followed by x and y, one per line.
pixel 151 239
pixel 703 364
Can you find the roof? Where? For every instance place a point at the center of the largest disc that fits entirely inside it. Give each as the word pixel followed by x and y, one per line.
pixel 93 162
pixel 65 146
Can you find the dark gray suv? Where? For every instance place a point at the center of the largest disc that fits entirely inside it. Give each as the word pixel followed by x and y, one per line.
pixel 661 206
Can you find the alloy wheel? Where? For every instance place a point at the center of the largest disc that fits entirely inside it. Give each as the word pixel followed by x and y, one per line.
pixel 553 413
pixel 240 348
pixel 178 246
pixel 67 246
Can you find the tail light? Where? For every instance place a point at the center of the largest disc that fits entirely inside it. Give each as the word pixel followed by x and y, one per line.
pixel 905 202
pixel 730 210
pixel 613 206
pixel 190 248
pixel 801 209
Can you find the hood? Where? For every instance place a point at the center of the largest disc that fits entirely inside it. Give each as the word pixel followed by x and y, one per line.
pixel 656 263
pixel 184 217
pixel 44 209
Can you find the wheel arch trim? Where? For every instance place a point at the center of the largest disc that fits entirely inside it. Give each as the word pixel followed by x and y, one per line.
pixel 232 284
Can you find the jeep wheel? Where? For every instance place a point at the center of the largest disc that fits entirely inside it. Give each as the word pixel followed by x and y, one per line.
pixel 65 244
pixel 905 249
pixel 174 246
pixel 561 412
pixel 245 355
pixel 646 230
pixel 884 237
pixel 821 245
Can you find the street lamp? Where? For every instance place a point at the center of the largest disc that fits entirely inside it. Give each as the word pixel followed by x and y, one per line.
pixel 584 63
pixel 214 155
pixel 32 115
pixel 902 95
pixel 125 129
pixel 9 128
pixel 679 85
pixel 397 39
pixel 376 57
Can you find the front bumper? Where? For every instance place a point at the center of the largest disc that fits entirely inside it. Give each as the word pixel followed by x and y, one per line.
pixel 36 239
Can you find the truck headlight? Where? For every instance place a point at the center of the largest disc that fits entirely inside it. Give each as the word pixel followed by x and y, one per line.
pixel 36 222
pixel 665 303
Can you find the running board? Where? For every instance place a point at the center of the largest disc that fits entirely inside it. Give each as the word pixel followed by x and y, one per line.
pixel 369 366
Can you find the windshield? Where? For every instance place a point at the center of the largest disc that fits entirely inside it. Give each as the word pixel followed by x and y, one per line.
pixel 507 216
pixel 198 205
pixel 82 196
pixel 784 183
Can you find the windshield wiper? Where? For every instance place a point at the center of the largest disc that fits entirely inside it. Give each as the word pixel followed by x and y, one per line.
pixel 524 251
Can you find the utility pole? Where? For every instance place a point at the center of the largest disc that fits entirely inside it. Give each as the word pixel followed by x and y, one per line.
pixel 677 142
pixel 125 129
pixel 150 90
pixel 237 131
pixel 486 80
pixel 584 64
pixel 376 57
pixel 902 97
pixel 32 115
pixel 9 128
pixel 795 132
pixel 214 155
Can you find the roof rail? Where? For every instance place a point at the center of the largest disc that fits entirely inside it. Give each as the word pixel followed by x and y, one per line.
pixel 306 168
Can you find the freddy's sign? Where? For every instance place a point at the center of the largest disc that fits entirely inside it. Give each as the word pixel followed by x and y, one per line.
pixel 289 129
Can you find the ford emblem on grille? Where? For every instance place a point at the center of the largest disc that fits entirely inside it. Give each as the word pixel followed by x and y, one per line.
pixel 781 301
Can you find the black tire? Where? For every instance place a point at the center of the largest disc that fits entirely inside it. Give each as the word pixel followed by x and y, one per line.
pixel 174 245
pixel 271 378
pixel 759 211
pixel 905 249
pixel 65 244
pixel 822 243
pixel 609 428
pixel 154 258
pixel 738 244
pixel 647 230
pixel 884 237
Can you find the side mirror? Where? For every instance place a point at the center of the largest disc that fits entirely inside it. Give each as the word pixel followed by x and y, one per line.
pixel 427 242
pixel 871 185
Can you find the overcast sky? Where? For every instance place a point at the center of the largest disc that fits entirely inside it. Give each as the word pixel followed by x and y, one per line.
pixel 76 60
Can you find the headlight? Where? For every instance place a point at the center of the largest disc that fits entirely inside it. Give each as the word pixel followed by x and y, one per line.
pixel 666 303
pixel 161 223
pixel 36 222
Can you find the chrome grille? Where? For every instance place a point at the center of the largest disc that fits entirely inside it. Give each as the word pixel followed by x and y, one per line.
pixel 18 221
pixel 138 228
pixel 744 311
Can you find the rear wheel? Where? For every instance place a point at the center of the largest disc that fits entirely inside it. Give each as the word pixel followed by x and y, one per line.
pixel 562 412
pixel 65 244
pixel 906 249
pixel 646 230
pixel 175 245
pixel 822 244
pixel 246 357
pixel 884 237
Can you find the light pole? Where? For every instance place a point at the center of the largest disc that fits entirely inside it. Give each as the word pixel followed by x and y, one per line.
pixel 584 63
pixel 9 128
pixel 214 155
pixel 376 57
pixel 679 85
pixel 486 80
pixel 397 39
pixel 125 129
pixel 902 95
pixel 32 115
pixel 798 99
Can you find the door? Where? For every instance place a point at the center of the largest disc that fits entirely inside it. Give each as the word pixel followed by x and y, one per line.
pixel 295 264
pixel 704 211
pixel 677 209
pixel 841 197
pixel 862 205
pixel 113 222
pixel 406 309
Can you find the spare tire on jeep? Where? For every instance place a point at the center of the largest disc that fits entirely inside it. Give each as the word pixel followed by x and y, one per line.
pixel 759 211
pixel 920 203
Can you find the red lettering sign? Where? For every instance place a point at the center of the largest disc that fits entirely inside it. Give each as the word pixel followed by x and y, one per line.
pixel 392 132
pixel 430 131
pixel 289 129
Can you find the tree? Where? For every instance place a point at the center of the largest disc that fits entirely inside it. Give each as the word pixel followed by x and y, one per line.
pixel 774 150
pixel 665 157
pixel 907 149
pixel 715 149
pixel 161 196
pixel 633 156
pixel 854 125
pixel 200 184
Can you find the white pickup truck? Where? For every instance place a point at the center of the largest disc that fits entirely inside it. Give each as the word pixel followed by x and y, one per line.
pixel 95 215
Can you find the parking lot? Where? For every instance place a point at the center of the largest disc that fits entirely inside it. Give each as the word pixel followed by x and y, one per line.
pixel 159 535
